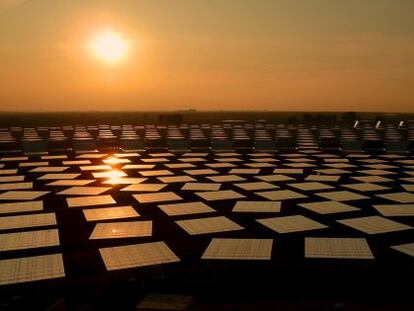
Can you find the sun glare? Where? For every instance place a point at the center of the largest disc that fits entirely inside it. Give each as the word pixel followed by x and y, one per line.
pixel 110 47
pixel 114 174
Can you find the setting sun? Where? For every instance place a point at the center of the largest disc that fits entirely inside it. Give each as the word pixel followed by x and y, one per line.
pixel 109 47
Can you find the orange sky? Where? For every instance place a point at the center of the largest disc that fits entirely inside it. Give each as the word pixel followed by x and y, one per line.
pixel 209 55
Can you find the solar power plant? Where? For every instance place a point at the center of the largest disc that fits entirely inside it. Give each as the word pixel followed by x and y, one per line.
pixel 141 214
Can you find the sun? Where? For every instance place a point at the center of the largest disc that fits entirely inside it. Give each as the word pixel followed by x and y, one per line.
pixel 109 47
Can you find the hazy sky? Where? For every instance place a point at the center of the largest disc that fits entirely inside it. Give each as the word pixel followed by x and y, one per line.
pixel 209 55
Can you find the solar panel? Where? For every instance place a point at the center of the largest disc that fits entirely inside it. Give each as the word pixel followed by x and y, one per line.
pixel 8 171
pixel 115 161
pixel 339 165
pixel 28 239
pixel 244 171
pixel 259 165
pixel 138 166
pixel 14 178
pixel 179 165
pixel 123 181
pixel 239 249
pixel 106 213
pixel 220 165
pixel 175 179
pixel 155 160
pixel 407 179
pixel 288 224
pixel 54 157
pixel 95 167
pixel 371 179
pixel 201 186
pixel 126 155
pixel 407 249
pixel 265 159
pixel 257 207
pixel 228 160
pixel 22 195
pixel 91 156
pixel 329 207
pixel 115 230
pixel 208 225
pixel 185 208
pixel 195 154
pixel 376 172
pixel 156 197
pixel 374 224
pixel 144 187
pixel 380 166
pixel 49 169
pixel 288 171
pixel 395 209
pixel 27 221
pixel 84 191
pixel 300 165
pixel 408 187
pixel 365 187
pixel 76 162
pixel 30 164
pixel 400 197
pixel 188 159
pixel 200 172
pixel 253 186
pixel 29 269
pixel 21 207
pixel 12 159
pixel 310 186
pixel 70 182
pixel 109 174
pixel 225 178
pixel 226 154
pixel 342 196
pixel 260 154
pixel 336 160
pixel 150 173
pixel 137 255
pixel 344 248
pixel 332 171
pixel 90 201
pixel 274 177
pixel 16 186
pixel 219 195
pixel 280 195
pixel 58 176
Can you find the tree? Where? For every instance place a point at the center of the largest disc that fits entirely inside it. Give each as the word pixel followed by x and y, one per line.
pixel 349 117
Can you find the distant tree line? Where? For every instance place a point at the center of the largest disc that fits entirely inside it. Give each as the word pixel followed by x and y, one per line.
pixel 325 118
pixel 168 118
pixel 349 117
pixel 319 118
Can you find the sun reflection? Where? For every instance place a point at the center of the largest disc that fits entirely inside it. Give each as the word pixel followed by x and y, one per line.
pixel 115 181
pixel 112 174
pixel 113 160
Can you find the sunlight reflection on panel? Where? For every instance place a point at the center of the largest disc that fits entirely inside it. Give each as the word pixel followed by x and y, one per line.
pixel 112 174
